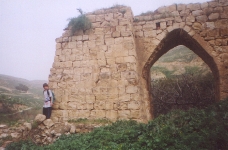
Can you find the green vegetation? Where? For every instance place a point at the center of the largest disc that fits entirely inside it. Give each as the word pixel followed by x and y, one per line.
pixel 201 129
pixel 22 87
pixel 182 92
pixel 79 23
pixel 180 54
pixel 90 121
pixel 163 70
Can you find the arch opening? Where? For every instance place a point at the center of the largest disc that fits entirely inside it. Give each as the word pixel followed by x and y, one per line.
pixel 173 39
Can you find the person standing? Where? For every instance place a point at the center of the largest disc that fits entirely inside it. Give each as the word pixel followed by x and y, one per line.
pixel 48 101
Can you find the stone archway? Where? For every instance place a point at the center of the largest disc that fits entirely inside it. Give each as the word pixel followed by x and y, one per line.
pixel 173 39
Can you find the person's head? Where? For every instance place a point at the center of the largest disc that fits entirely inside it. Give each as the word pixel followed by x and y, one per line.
pixel 45 86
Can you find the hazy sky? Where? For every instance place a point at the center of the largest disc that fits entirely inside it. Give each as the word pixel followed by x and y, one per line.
pixel 28 29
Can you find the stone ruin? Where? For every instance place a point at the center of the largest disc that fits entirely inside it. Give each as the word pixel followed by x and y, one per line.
pixel 103 72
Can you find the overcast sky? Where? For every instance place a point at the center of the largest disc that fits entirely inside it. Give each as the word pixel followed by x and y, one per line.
pixel 28 29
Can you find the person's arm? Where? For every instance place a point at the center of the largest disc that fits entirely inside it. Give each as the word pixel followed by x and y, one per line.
pixel 51 99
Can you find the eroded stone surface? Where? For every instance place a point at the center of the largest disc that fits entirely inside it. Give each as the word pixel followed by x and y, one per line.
pixel 99 73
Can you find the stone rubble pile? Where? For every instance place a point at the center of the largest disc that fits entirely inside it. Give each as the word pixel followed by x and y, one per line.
pixel 42 131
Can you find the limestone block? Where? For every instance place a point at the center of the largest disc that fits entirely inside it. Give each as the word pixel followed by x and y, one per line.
pixel 72 114
pixel 109 105
pixel 109 41
pixel 99 105
pixel 195 6
pixel 71 44
pixel 152 33
pixel 58 45
pixel 40 118
pixel 135 114
pixel 122 106
pixel 187 28
pixel 92 18
pixel 223 23
pixel 149 26
pixel 85 37
pixel 129 59
pixel 161 9
pixel 178 19
pixel 210 25
pixel 89 106
pixel 83 113
pixel 119 40
pixel 131 89
pixel 185 13
pixel 213 33
pixel 202 18
pixel 124 97
pixel 126 33
pixel 139 34
pixel 81 105
pixel 48 123
pixel 161 36
pixel 171 8
pixel 99 31
pixel 133 105
pixel 120 28
pixel 124 114
pixel 175 13
pixel 58 52
pixel 128 45
pixel 213 16
pixel 213 4
pixel 28 125
pixel 190 19
pixel 112 115
pixel 99 113
pixel 197 13
pixel 181 7
pixel 59 40
pixel 100 18
pixel 56 113
pixel 109 16
pixel 116 34
pixel 197 26
pixel 204 5
pixel 72 105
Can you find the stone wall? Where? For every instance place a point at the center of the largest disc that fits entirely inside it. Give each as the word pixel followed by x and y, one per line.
pixel 103 72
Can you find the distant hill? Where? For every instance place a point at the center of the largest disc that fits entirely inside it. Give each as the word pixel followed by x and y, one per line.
pixel 12 100
pixel 177 61
pixel 10 82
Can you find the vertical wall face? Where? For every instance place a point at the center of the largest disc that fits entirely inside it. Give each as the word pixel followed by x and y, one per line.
pixel 100 73
pixel 94 74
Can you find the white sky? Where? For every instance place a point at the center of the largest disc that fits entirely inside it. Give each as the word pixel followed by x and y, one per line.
pixel 28 29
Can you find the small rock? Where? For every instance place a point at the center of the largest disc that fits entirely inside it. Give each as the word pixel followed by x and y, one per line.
pixel 58 134
pixel 72 129
pixel 28 125
pixel 40 118
pixel 3 126
pixel 15 135
pixel 3 135
pixel 48 123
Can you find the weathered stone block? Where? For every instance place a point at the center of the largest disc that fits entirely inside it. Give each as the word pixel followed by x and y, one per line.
pixel 112 115
pixel 131 89
pixel 124 114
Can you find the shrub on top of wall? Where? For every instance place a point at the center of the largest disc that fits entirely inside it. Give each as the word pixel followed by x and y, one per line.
pixel 79 23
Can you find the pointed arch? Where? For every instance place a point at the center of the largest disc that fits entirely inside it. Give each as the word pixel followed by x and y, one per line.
pixel 173 39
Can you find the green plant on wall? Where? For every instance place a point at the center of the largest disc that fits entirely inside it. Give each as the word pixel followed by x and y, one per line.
pixel 79 23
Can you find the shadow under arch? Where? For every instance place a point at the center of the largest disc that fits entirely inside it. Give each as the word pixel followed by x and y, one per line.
pixel 173 39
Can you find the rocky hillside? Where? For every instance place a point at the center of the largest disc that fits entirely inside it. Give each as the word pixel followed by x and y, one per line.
pixel 13 102
pixel 177 61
